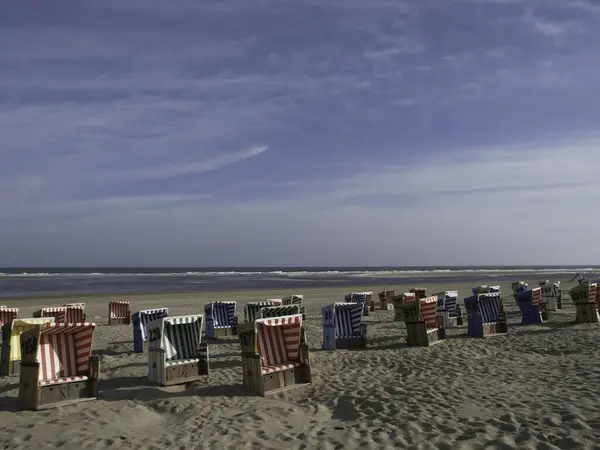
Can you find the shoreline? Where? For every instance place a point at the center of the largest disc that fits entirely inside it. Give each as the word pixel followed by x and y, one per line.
pixel 288 285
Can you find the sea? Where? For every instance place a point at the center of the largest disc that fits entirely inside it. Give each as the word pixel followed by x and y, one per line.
pixel 69 281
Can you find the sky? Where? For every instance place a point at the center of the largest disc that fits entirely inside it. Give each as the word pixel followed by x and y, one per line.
pixel 287 132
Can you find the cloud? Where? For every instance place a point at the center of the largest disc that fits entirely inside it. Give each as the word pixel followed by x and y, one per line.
pixel 398 128
pixel 193 167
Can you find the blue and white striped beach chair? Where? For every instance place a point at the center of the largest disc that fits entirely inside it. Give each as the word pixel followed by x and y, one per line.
pixel 530 303
pixel 221 320
pixel 364 298
pixel 140 321
pixel 448 309
pixel 176 353
pixel 485 289
pixel 485 315
pixel 343 327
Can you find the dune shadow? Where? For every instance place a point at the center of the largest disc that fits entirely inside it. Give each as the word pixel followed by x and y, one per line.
pixel 111 352
pixel 134 364
pixel 231 340
pixel 378 341
pixel 122 382
pixel 225 364
pixel 10 387
pixel 9 404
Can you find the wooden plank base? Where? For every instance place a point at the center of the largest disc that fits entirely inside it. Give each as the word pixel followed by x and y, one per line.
pixel 225 332
pixel 495 329
pixel 186 373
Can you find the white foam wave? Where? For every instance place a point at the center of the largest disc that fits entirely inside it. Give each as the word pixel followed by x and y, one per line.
pixel 309 273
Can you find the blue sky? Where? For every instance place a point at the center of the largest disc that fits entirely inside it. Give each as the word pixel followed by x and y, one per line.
pixel 309 132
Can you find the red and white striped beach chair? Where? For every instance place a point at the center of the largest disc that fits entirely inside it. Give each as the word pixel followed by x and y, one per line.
pixel 57 366
pixel 119 313
pixel 274 354
pixel 75 313
pixel 7 315
pixel 587 303
pixel 58 312
pixel 423 326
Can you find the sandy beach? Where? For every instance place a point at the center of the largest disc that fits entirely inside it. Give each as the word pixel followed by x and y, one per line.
pixel 534 388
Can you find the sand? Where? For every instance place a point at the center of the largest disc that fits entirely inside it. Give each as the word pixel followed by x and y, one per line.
pixel 537 388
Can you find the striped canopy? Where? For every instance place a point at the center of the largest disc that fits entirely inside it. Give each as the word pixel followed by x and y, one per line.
pixel 64 350
pixel 178 336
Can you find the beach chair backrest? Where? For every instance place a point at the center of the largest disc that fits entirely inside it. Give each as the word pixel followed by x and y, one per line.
pixel 490 307
pixel 252 309
pixel 62 350
pixel 147 316
pixel 19 326
pixel 279 339
pixel 222 313
pixel 295 299
pixel 348 319
pixel 584 293
pixel 119 309
pixel 7 315
pixel 74 314
pixel 278 311
pixel 178 336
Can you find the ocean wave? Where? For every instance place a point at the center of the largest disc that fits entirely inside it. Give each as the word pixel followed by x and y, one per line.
pixel 309 273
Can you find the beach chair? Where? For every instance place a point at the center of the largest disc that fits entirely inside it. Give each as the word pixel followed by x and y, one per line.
pixel 448 309
pixel 275 355
pixel 75 312
pixel 279 311
pixel 57 366
pixel 485 315
pixel 423 326
pixel 7 315
pixel 140 321
pixel 386 299
pixel 221 320
pixel 296 299
pixel 519 286
pixel 119 313
pixel 343 327
pixel 252 309
pixel 400 300
pixel 10 363
pixel 551 295
pixel 530 303
pixel 419 292
pixel 585 298
pixel 58 312
pixel 364 298
pixel 176 353
pixel 485 289
pixel 2 306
